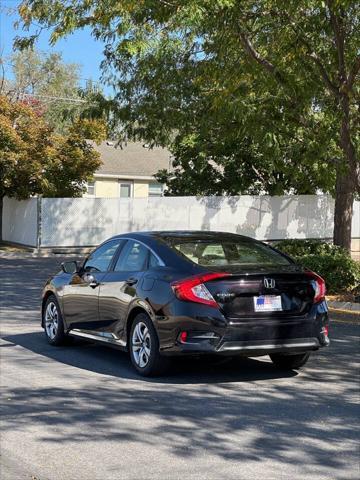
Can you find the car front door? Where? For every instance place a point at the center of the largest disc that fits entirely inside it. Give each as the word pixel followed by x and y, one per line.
pixel 81 295
pixel 119 287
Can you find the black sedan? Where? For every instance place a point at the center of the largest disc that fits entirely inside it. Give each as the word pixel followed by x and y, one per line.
pixel 160 294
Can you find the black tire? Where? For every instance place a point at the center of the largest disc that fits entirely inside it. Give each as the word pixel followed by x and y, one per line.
pixel 53 327
pixel 289 362
pixel 144 353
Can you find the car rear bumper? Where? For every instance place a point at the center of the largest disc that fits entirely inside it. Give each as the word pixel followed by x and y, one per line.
pixel 250 349
pixel 265 347
pixel 253 337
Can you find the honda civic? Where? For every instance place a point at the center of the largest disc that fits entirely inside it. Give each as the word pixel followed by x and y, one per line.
pixel 162 294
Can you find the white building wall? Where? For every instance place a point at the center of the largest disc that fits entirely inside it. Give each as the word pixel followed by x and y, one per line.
pixel 20 221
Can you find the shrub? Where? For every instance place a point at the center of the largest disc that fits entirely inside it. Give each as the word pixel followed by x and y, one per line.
pixel 340 272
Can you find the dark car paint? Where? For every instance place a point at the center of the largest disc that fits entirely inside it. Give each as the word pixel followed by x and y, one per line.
pixel 106 310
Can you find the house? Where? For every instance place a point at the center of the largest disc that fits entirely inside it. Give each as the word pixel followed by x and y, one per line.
pixel 128 171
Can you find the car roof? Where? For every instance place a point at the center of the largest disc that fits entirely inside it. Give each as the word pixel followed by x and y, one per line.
pixel 187 235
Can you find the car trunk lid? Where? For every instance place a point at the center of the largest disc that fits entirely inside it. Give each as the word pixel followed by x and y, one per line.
pixel 264 292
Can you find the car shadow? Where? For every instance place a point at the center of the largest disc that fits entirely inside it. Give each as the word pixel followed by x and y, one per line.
pixel 184 370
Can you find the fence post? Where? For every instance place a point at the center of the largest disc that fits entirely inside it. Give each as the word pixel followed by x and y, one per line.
pixel 38 227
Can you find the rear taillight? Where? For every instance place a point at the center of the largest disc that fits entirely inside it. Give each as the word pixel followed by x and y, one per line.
pixel 193 289
pixel 319 286
pixel 183 337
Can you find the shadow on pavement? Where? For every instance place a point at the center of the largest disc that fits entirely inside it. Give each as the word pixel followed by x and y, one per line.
pixel 109 361
pixel 244 410
pixel 295 422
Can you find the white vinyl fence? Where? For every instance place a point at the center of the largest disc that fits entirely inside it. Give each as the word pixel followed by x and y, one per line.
pixel 61 222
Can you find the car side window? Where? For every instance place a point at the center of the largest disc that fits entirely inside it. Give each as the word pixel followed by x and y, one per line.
pixel 133 257
pixel 153 261
pixel 100 259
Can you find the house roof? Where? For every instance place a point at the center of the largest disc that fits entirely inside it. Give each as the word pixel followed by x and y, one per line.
pixel 132 159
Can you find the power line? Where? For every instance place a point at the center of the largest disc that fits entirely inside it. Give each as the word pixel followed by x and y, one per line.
pixel 49 97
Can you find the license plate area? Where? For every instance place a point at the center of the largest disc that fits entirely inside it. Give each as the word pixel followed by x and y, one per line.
pixel 268 303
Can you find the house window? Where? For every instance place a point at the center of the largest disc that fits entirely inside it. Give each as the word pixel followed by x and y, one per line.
pixel 125 189
pixel 155 190
pixel 90 188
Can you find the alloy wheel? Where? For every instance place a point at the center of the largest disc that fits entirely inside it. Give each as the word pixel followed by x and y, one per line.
pixel 141 344
pixel 51 320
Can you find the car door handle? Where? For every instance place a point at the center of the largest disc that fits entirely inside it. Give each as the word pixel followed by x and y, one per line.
pixel 131 281
pixel 90 280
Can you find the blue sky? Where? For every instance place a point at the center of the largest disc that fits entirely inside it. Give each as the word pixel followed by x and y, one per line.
pixel 78 48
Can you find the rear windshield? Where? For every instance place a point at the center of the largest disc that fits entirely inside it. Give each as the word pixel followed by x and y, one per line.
pixel 218 253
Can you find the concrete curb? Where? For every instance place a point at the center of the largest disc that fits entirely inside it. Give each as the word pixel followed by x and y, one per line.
pixel 347 306
pixel 344 316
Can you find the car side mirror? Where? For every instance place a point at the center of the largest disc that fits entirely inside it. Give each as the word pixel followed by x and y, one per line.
pixel 70 267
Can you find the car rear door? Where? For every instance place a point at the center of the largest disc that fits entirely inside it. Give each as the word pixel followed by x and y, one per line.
pixel 81 295
pixel 120 286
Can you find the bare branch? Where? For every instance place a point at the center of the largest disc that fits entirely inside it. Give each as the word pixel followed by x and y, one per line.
pixel 258 173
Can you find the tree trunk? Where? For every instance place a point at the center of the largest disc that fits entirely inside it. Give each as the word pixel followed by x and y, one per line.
pixel 347 181
pixel 344 201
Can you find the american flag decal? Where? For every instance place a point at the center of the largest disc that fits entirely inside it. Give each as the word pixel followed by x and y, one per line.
pixel 268 303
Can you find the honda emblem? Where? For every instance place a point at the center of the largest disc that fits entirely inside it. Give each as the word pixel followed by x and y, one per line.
pixel 269 283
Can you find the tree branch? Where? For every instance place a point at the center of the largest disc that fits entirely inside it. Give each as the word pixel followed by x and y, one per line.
pixel 353 73
pixel 2 76
pixel 337 26
pixel 311 54
pixel 252 52
pixel 331 86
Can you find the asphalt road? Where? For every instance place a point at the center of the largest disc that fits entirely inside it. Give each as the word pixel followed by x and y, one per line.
pixel 80 412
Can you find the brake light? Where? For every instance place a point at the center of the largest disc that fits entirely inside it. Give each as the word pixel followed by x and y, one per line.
pixel 193 289
pixel 319 286
pixel 183 337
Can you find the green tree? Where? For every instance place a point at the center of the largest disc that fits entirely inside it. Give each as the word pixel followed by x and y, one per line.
pixel 36 161
pixel 45 78
pixel 263 89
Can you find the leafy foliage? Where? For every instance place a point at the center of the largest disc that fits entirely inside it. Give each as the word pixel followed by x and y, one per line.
pixel 245 93
pixel 46 79
pixel 45 82
pixel 335 265
pixel 299 248
pixel 34 160
pixel 251 95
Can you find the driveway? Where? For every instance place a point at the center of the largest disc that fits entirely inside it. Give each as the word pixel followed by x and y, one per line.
pixel 80 412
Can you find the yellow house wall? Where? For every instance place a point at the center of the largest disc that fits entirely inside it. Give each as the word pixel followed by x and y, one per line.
pixel 109 187
pixel 106 187
pixel 141 188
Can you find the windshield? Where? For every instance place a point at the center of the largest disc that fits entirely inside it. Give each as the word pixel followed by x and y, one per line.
pixel 229 252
